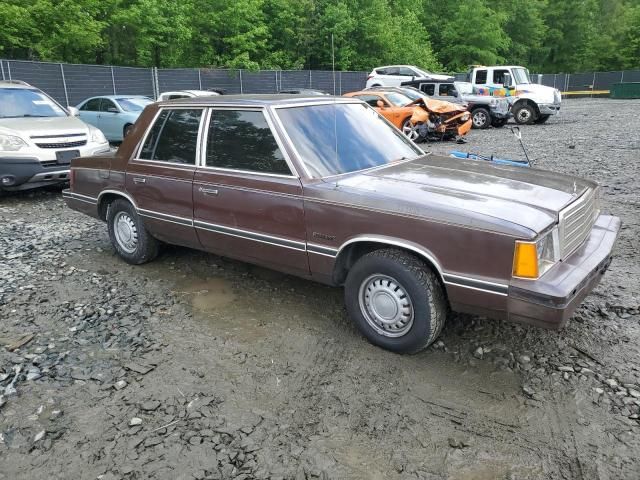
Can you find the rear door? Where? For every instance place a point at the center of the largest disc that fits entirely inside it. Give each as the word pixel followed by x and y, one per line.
pixel 160 177
pixel 247 197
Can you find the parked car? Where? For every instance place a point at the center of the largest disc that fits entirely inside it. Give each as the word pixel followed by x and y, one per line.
pixel 394 75
pixel 485 110
pixel 187 94
pixel 535 103
pixel 422 119
pixel 38 138
pixel 303 91
pixel 326 189
pixel 114 115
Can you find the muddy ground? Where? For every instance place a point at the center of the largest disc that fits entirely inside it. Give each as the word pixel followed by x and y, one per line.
pixel 195 366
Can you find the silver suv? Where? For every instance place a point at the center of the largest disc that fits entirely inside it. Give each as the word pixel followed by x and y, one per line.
pixel 38 138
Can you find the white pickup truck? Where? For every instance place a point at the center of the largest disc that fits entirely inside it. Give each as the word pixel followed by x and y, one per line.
pixel 534 103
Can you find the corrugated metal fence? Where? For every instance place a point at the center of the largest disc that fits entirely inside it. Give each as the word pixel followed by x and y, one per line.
pixel 70 84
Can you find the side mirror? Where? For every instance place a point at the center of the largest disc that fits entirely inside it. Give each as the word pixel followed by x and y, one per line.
pixel 73 111
pixel 380 104
pixel 112 110
pixel 507 82
pixel 454 93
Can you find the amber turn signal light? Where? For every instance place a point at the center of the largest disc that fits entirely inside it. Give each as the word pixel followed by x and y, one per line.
pixel 525 260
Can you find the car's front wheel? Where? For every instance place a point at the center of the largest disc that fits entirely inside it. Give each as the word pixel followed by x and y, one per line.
pixel 395 300
pixel 410 130
pixel 128 234
pixel 481 118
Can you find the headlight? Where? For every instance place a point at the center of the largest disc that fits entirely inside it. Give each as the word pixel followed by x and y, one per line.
pixel 96 136
pixel 465 117
pixel 533 259
pixel 11 143
pixel 493 102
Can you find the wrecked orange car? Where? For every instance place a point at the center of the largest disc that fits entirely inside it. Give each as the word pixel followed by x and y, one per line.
pixel 422 119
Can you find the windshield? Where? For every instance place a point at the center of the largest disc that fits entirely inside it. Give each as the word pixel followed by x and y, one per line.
pixel 423 73
pixel 135 104
pixel 397 99
pixel 521 75
pixel 340 138
pixel 21 102
pixel 464 88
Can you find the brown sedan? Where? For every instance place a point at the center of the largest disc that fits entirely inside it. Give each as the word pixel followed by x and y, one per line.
pixel 326 189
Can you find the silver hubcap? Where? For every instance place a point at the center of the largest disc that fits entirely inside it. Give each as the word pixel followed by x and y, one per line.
pixel 125 232
pixel 410 130
pixel 479 119
pixel 524 115
pixel 386 306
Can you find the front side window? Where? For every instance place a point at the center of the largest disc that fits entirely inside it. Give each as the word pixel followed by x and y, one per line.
pixel 27 102
pixel 344 137
pixel 407 72
pixel 446 88
pixel 398 99
pixel 498 76
pixel 92 105
pixel 242 140
pixel 173 137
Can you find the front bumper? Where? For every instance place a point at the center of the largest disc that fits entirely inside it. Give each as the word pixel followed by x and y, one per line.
pixel 548 108
pixel 22 173
pixel 464 128
pixel 550 301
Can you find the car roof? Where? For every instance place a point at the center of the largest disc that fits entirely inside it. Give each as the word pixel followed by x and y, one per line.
pixel 117 97
pixel 16 84
pixel 257 100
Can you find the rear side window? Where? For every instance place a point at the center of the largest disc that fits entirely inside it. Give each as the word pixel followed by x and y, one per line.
pixel 173 137
pixel 242 140
pixel 428 88
pixel 381 71
pixel 481 77
pixel 393 71
pixel 371 100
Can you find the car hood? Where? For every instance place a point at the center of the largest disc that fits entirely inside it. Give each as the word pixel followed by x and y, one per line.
pixel 513 200
pixel 439 106
pixel 542 93
pixel 42 126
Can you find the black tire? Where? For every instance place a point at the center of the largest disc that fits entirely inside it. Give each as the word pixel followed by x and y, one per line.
pixel 146 246
pixel 524 114
pixel 127 130
pixel 481 118
pixel 499 122
pixel 411 275
pixel 542 119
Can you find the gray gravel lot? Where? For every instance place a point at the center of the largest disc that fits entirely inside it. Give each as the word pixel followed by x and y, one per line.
pixel 195 366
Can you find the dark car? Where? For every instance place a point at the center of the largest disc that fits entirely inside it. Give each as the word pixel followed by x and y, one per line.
pixel 326 189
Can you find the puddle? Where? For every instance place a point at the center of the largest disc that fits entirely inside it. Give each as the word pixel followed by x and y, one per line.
pixel 207 296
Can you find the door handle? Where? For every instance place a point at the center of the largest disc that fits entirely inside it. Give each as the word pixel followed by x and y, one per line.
pixel 208 191
pixel 139 180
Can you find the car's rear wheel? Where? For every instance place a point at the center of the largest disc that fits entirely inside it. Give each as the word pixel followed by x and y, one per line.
pixel 542 119
pixel 395 300
pixel 128 234
pixel 410 130
pixel 481 118
pixel 524 114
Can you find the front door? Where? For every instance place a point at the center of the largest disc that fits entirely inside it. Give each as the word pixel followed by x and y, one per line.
pixel 160 178
pixel 247 199
pixel 109 120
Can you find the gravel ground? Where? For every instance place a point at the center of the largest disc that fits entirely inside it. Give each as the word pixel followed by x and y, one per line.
pixel 195 366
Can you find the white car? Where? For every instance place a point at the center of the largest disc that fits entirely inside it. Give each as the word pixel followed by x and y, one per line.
pixel 38 138
pixel 394 75
pixel 185 94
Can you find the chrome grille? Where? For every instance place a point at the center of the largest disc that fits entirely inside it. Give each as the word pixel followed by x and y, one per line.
pixel 576 221
pixel 79 143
